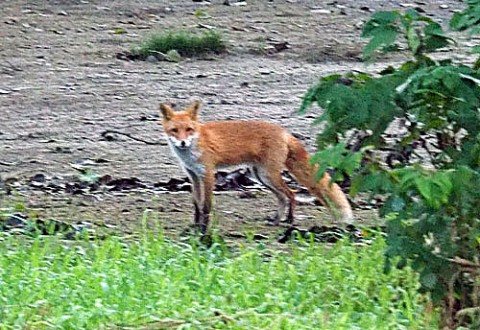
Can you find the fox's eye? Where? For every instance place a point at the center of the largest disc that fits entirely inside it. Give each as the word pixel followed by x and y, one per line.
pixel 189 129
pixel 174 130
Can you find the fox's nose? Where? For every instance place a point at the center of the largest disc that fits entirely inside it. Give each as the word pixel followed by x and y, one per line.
pixel 183 144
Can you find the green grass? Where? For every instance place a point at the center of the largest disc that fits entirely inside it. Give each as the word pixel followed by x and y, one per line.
pixel 185 43
pixel 153 283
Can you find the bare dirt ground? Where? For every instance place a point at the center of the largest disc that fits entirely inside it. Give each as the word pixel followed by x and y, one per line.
pixel 62 86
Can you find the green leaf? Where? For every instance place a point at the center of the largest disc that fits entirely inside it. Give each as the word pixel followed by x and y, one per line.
pixel 338 158
pixel 428 280
pixel 413 40
pixel 434 37
pixel 380 18
pixel 382 29
pixel 89 176
pixel 397 203
pixel 402 263
pixel 476 50
pixel 474 30
pixel 458 22
pixel 383 38
pixel 424 186
pixel 434 29
pixel 468 18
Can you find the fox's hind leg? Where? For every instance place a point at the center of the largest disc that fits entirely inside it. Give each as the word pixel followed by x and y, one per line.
pixel 274 182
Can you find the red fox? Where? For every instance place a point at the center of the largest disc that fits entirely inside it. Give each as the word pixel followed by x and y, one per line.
pixel 267 148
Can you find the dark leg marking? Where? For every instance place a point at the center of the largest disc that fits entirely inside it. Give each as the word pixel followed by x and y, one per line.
pixel 290 218
pixel 208 186
pixel 197 218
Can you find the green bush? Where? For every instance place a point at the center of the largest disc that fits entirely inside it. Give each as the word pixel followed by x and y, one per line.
pixel 185 43
pixel 412 133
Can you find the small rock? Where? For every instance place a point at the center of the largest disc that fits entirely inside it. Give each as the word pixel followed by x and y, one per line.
pixel 173 56
pixel 239 28
pixel 320 11
pixel 279 46
pixel 38 178
pixel 359 25
pixel 407 5
pixel 264 71
pixel 444 6
pixel 233 3
pixel 62 13
pixel 206 26
pixel 61 150
pixel 151 59
pixel 10 21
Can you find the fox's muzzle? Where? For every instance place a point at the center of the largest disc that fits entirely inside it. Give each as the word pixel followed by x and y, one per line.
pixel 182 143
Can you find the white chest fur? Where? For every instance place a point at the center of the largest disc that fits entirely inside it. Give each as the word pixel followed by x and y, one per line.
pixel 189 158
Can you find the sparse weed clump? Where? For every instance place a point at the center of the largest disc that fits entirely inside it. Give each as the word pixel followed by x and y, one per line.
pixel 185 43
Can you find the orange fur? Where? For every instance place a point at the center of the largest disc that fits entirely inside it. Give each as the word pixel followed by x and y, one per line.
pixel 266 147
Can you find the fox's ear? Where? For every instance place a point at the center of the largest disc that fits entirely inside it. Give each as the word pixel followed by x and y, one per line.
pixel 167 111
pixel 193 110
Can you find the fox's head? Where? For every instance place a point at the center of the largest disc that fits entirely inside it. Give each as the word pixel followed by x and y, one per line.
pixel 182 126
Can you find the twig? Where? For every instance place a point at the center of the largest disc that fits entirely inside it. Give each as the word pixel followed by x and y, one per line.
pixel 468 311
pixel 451 300
pixel 464 263
pixel 476 288
pixel 108 131
pixel 7 164
pixel 238 235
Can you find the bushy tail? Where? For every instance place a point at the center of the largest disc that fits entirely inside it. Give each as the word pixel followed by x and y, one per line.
pixel 329 194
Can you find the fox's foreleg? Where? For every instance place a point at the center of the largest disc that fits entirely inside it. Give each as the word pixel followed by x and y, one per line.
pixel 197 192
pixel 208 186
pixel 202 190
